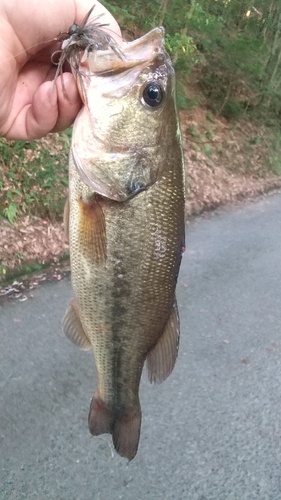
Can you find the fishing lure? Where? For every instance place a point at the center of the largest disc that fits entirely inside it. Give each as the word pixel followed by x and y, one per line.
pixel 86 37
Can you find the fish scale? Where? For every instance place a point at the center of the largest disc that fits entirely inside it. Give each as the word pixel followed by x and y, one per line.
pixel 126 231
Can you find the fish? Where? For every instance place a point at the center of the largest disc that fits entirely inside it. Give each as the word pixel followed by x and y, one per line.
pixel 125 223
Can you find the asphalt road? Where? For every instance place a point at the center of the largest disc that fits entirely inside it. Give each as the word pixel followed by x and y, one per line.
pixel 212 431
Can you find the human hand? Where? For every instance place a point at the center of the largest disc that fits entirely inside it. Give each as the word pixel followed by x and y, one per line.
pixel 31 105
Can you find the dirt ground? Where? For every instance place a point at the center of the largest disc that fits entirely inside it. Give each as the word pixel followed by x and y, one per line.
pixel 222 164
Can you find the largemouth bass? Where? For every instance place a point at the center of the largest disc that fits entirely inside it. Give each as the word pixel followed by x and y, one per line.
pixel 125 219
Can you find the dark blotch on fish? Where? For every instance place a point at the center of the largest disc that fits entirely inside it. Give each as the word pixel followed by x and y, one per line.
pixel 133 188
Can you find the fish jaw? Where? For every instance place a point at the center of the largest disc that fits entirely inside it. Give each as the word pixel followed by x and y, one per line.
pixel 113 157
pixel 135 53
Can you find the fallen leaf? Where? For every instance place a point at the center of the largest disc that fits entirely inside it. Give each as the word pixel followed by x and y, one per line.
pixel 23 298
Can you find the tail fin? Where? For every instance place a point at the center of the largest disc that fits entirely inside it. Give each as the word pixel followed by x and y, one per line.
pixel 125 427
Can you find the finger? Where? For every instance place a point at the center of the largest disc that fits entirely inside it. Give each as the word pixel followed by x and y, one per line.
pixel 37 118
pixel 52 109
pixel 68 101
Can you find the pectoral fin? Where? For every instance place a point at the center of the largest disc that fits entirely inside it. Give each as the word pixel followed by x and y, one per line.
pixel 73 329
pixel 161 359
pixel 92 231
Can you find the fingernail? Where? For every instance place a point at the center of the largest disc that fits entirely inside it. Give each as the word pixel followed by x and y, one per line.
pixel 53 97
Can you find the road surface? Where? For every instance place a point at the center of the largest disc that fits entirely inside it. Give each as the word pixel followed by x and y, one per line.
pixel 212 431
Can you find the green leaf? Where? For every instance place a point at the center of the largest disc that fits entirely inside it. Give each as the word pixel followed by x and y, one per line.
pixel 11 212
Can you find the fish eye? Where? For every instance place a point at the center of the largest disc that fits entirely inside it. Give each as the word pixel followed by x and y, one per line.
pixel 73 29
pixel 153 94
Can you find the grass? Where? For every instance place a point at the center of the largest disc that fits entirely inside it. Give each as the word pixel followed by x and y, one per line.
pixel 33 177
pixel 274 156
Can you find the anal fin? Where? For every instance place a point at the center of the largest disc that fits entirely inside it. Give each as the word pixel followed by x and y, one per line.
pixel 160 361
pixel 73 329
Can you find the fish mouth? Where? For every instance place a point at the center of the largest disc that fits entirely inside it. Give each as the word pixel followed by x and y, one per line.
pixel 140 51
pixel 113 167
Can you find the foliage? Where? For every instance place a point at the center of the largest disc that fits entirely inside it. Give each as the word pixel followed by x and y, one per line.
pixel 236 45
pixel 34 177
pixel 274 156
pixel 227 54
